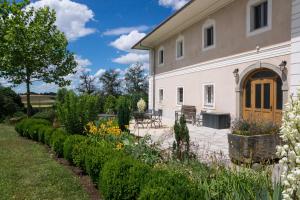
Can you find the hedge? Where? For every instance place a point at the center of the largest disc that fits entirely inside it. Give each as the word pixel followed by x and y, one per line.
pixel 123 178
pixel 69 144
pixel 57 141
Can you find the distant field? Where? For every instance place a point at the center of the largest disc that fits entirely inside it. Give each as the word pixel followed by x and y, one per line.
pixel 41 101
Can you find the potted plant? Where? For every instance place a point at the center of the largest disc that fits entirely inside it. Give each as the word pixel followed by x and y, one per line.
pixel 253 142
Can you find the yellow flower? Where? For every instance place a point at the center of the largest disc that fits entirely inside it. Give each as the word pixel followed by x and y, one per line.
pixel 120 146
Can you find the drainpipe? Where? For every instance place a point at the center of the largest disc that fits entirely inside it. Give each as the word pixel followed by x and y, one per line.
pixel 152 70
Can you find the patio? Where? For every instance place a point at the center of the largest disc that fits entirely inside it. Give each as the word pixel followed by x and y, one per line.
pixel 208 144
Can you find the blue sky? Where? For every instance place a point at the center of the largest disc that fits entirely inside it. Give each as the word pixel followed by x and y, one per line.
pixel 101 32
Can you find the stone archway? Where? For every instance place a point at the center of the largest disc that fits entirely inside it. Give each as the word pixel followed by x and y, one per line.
pixel 247 72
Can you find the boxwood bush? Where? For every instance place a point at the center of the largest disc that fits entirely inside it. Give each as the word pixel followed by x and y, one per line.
pixel 123 178
pixel 69 144
pixel 97 156
pixel 57 141
pixel 24 128
pixel 169 185
pixel 47 135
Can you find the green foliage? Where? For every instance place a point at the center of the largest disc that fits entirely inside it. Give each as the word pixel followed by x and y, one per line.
pixel 111 82
pixel 47 59
pixel 57 141
pixel 123 113
pixel 76 111
pixel 48 114
pixel 110 104
pixel 250 128
pixel 26 127
pixel 47 135
pixel 79 153
pixel 69 144
pixel 134 99
pixel 136 80
pixel 10 103
pixel 97 156
pixel 169 185
pixel 123 178
pixel 181 146
pixel 61 95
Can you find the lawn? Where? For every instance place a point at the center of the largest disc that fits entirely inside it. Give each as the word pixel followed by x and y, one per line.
pixel 28 171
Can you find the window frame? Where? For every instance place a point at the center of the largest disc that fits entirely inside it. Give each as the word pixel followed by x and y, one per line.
pixel 249 18
pixel 208 24
pixel 177 96
pixel 158 56
pixel 159 97
pixel 204 104
pixel 179 39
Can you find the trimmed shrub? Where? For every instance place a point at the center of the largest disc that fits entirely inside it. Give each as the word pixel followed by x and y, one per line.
pixel 97 156
pixel 123 113
pixel 169 185
pixel 123 178
pixel 47 135
pixel 57 141
pixel 25 127
pixel 69 144
pixel 33 131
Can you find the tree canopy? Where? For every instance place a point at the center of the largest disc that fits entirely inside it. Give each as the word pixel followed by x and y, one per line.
pixel 136 80
pixel 111 82
pixel 32 48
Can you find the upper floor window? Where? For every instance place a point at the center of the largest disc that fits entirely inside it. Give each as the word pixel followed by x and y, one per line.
pixel 179 95
pixel 161 56
pixel 161 95
pixel 259 16
pixel 180 48
pixel 209 95
pixel 208 35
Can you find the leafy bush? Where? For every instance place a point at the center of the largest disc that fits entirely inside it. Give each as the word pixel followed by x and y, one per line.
pixel 41 133
pixel 76 111
pixel 97 156
pixel 24 128
pixel 10 103
pixel 123 178
pixel 69 144
pixel 48 114
pixel 248 128
pixel 47 135
pixel 57 141
pixel 169 185
pixel 110 104
pixel 79 153
pixel 123 113
pixel 33 131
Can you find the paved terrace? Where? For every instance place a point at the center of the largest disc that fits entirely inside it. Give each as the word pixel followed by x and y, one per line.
pixel 207 143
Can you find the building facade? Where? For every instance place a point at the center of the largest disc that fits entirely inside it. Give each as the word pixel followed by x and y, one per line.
pixel 233 56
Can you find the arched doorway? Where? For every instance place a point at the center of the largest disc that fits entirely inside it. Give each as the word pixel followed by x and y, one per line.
pixel 262 96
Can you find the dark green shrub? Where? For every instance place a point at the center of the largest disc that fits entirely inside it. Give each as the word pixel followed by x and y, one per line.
pixel 181 145
pixel 41 133
pixel 10 103
pixel 79 152
pixel 123 113
pixel 69 145
pixel 47 135
pixel 123 178
pixel 76 111
pixel 45 114
pixel 57 141
pixel 25 126
pixel 34 131
pixel 110 104
pixel 97 156
pixel 169 185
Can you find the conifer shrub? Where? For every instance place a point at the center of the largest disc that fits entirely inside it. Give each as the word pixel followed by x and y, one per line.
pixel 123 113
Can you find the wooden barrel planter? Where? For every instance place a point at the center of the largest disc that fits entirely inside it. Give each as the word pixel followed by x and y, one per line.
pixel 253 149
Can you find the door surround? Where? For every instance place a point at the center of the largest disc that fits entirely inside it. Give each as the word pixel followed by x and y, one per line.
pixel 244 75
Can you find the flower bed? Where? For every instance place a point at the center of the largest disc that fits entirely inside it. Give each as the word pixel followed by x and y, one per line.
pixel 126 168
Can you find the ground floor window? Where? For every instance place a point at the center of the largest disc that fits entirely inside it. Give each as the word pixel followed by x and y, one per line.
pixel 161 95
pixel 209 95
pixel 179 95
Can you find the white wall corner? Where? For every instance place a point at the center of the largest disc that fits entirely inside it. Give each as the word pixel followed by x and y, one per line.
pixel 295 49
pixel 150 93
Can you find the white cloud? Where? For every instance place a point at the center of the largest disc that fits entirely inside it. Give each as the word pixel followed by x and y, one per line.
pixel 125 30
pixel 131 58
pixel 125 42
pixel 5 83
pixel 99 73
pixel 174 4
pixel 72 17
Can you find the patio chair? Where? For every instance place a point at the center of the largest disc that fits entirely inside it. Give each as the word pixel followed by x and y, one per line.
pixel 157 118
pixel 189 112
pixel 199 118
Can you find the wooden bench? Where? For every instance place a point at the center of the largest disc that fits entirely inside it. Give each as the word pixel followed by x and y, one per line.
pixel 189 112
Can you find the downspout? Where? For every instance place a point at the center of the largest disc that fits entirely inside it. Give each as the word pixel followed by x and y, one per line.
pixel 152 57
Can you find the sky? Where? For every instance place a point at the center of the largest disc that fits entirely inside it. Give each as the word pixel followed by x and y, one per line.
pixel 102 32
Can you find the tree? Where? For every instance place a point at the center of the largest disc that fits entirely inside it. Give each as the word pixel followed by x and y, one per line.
pixel 111 82
pixel 181 145
pixel 87 83
pixel 136 80
pixel 32 48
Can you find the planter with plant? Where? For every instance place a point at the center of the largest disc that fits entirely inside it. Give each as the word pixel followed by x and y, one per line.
pixel 253 142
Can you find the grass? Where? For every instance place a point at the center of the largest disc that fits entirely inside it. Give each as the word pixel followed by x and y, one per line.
pixel 28 171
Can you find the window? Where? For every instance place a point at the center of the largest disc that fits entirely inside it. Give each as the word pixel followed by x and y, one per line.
pixel 161 95
pixel 180 96
pixel 259 16
pixel 209 94
pixel 161 56
pixel 179 48
pixel 208 34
